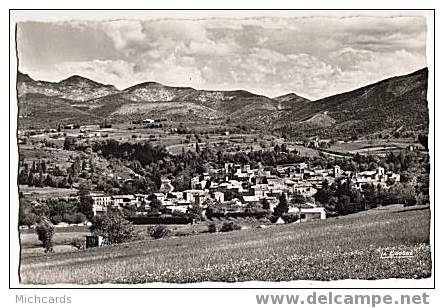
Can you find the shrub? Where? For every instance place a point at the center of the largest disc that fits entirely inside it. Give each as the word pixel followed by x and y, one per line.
pixel 229 226
pixel 28 219
pixel 158 231
pixel 195 212
pixel 282 207
pixel 78 243
pixel 290 217
pixel 75 218
pixel 113 228
pixel 212 228
pixel 85 206
pixel 69 218
pixel 79 218
pixel 45 232
pixel 56 219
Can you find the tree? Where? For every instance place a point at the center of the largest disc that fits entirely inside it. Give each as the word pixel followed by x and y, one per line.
pixel 424 140
pixel 26 216
pixel 41 179
pixel 212 228
pixel 229 226
pixel 69 180
pixel 324 194
pixel 195 212
pixel 403 193
pixel 23 176
pixel 56 219
pixel 85 206
pixel 48 181
pixel 265 204
pixel 156 205
pixel 31 180
pixel 69 143
pixel 298 198
pixel 344 206
pixel 113 228
pixel 158 231
pixel 282 207
pixel 45 232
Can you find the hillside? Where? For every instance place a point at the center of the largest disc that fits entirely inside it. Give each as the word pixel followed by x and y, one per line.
pixel 150 99
pixel 39 111
pixel 276 253
pixel 386 105
pixel 74 88
pixel 291 100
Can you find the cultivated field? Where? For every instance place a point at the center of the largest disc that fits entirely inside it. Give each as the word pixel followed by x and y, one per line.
pixel 338 248
pixel 374 146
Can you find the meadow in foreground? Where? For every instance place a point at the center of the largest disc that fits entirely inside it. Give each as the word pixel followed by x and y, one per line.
pixel 349 247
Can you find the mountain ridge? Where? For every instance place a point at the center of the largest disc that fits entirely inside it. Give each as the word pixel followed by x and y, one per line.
pixel 384 105
pixel 402 98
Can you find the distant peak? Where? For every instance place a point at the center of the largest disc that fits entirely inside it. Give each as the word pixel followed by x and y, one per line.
pixel 75 79
pixel 290 97
pixel 151 84
pixel 146 85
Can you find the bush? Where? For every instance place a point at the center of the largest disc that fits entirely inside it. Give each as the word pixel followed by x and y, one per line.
pixel 79 218
pixel 156 220
pixel 78 243
pixel 113 228
pixel 195 212
pixel 45 232
pixel 212 228
pixel 74 218
pixel 229 226
pixel 69 218
pixel 158 231
pixel 56 219
pixel 290 217
pixel 28 219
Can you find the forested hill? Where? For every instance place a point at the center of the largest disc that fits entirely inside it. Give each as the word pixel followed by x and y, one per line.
pixel 391 104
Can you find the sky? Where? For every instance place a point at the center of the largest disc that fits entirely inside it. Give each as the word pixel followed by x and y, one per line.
pixel 311 56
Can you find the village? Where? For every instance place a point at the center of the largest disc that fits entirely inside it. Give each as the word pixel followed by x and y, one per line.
pixel 239 187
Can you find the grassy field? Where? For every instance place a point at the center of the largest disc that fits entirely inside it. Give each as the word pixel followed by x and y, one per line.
pixel 46 192
pixel 30 245
pixel 375 146
pixel 337 248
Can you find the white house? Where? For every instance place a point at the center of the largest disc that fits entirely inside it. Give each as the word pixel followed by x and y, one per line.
pixel 309 211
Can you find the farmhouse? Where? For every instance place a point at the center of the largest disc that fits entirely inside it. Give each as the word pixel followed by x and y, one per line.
pixel 309 211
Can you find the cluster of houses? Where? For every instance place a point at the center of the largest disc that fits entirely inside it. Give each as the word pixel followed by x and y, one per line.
pixel 240 186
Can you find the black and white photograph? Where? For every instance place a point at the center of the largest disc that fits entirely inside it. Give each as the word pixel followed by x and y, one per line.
pixel 203 147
